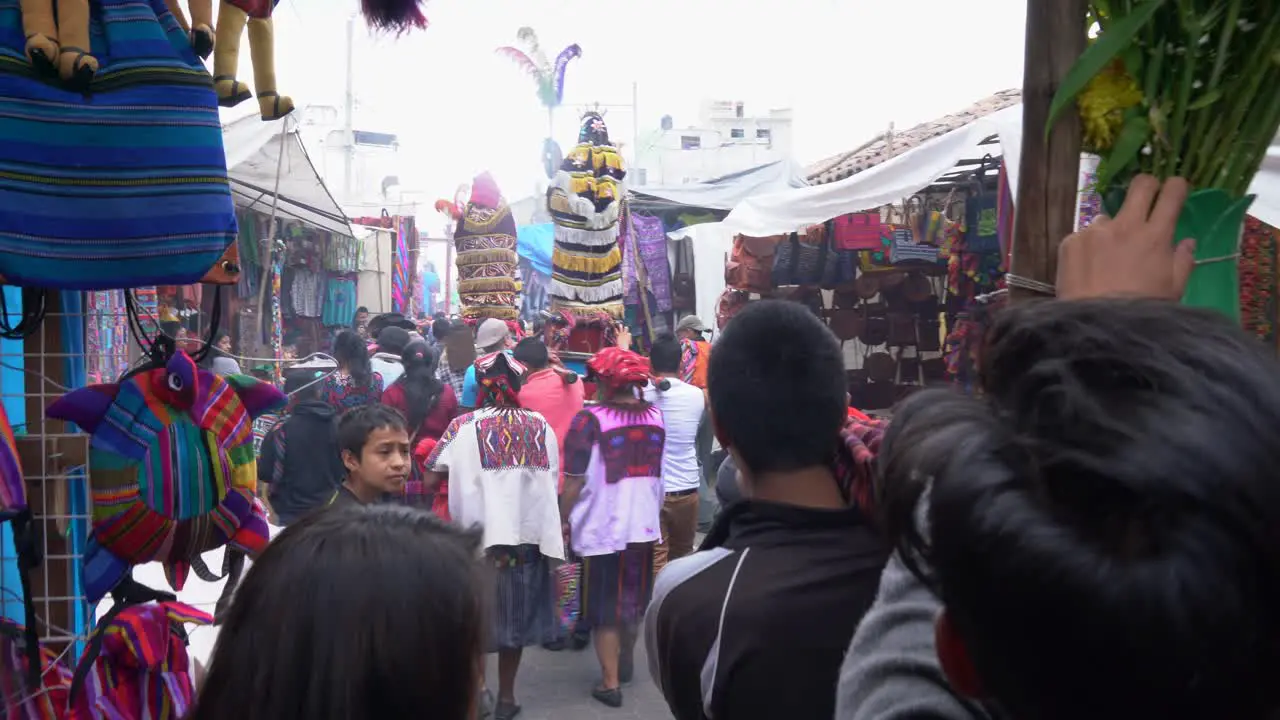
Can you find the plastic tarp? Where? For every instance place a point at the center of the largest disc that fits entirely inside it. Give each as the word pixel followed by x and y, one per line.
pixel 535 243
pixel 908 173
pixel 727 192
pixel 254 152
pixel 890 182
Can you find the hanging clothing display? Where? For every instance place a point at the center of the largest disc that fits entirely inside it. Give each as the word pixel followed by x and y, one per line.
pixel 485 241
pixel 339 302
pixel 307 291
pixel 646 235
pixel 585 201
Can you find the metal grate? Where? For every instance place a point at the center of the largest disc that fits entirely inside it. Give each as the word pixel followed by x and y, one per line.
pixel 35 372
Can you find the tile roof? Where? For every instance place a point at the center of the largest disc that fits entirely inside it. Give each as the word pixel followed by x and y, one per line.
pixel 878 150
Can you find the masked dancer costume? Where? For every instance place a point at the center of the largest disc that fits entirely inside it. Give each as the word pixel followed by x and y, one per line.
pixel 584 201
pixel 486 244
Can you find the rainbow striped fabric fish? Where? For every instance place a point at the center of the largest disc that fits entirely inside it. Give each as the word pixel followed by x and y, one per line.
pixel 171 468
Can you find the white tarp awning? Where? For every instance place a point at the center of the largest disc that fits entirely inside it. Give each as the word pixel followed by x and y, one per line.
pixel 909 173
pixel 890 182
pixel 254 159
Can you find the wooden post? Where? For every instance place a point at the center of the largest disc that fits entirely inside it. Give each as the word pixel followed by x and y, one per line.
pixel 1048 176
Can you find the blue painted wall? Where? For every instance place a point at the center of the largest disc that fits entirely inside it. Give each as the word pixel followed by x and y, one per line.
pixel 12 390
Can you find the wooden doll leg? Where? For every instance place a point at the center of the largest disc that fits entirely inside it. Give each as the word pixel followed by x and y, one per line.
pixel 226 56
pixel 262 48
pixel 41 33
pixel 75 64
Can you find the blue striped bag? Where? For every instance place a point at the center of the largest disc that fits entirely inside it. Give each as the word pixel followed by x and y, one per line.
pixel 124 186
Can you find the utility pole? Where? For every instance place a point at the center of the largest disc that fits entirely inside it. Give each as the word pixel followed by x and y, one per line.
pixel 349 148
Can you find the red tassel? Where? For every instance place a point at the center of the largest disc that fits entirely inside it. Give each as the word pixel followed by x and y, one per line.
pixel 398 16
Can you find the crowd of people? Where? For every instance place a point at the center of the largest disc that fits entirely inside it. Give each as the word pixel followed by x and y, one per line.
pixel 1093 534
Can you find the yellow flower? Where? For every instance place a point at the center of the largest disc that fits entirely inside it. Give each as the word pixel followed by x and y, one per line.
pixel 1103 104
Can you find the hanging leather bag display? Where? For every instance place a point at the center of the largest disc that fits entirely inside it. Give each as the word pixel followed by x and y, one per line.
pixel 857 231
pixel 801 258
pixel 751 263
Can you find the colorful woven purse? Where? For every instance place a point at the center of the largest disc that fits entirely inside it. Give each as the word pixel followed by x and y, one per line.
pixel 14 510
pixel 137 665
pixel 172 468
pixel 20 698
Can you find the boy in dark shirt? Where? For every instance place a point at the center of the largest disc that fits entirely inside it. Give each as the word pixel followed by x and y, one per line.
pixel 374 441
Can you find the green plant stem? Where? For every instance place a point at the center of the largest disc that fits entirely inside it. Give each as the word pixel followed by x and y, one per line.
pixel 1255 138
pixel 1206 115
pixel 1178 123
pixel 1254 74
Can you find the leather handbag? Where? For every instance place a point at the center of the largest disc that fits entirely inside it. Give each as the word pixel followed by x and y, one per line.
pixel 751 262
pixel 902 329
pixel 875 330
pixel 848 323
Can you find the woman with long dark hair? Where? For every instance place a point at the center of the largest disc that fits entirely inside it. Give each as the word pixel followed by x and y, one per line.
pixel 354 383
pixel 426 403
pixel 359 613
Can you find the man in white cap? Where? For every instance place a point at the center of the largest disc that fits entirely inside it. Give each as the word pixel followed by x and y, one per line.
pixel 695 355
pixel 492 336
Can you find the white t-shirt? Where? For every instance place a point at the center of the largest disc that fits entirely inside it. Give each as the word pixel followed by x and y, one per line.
pixel 504 469
pixel 388 366
pixel 682 408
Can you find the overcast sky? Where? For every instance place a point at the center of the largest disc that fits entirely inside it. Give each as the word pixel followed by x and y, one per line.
pixel 846 67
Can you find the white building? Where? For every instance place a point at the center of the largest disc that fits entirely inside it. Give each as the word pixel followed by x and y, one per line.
pixel 726 140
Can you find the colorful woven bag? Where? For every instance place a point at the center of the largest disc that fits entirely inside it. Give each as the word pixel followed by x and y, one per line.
pixel 20 699
pixel 136 665
pixel 172 468
pixel 14 509
pixel 13 492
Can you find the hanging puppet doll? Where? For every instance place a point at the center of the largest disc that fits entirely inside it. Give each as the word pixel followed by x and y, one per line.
pixel 585 202
pixel 485 240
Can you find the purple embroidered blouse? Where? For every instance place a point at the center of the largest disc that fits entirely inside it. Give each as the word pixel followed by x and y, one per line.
pixel 620 454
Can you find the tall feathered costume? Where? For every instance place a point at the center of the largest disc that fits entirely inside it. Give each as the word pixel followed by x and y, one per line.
pixel 485 240
pixel 584 201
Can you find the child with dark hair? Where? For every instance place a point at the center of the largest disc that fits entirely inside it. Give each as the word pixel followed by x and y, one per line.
pixel 300 467
pixel 1117 476
pixel 360 613
pixel 374 442
pixel 756 623
pixel 502 464
pixel 354 383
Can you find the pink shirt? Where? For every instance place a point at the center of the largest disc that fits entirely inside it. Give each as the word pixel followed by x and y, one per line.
pixel 545 393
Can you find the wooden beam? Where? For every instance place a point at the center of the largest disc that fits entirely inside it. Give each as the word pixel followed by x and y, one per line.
pixel 1049 172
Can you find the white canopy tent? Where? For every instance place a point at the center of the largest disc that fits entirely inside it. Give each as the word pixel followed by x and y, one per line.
pixel 916 169
pixel 889 182
pixel 266 159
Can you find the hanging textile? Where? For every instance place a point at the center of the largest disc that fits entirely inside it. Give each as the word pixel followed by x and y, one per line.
pixel 277 322
pixel 339 302
pixel 114 178
pixel 651 240
pixel 1258 258
pixel 400 272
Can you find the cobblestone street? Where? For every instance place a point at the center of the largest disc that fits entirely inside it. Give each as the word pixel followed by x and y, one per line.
pixel 557 686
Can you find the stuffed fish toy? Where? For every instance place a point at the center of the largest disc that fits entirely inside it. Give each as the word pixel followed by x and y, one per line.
pixel 171 468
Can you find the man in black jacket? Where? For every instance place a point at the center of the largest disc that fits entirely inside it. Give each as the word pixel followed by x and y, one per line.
pixel 301 466
pixel 756 623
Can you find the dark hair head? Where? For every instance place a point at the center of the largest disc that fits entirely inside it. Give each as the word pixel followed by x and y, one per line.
pixel 665 355
pixel 422 388
pixel 353 355
pixel 1105 515
pixel 532 352
pixel 776 381
pixel 302 385
pixel 358 423
pixel 392 621
pixel 362 309
pixel 392 339
pixel 441 327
